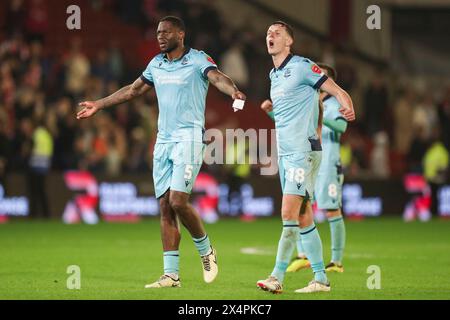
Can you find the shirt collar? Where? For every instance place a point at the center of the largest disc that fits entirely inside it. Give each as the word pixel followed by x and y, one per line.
pixel 186 51
pixel 285 62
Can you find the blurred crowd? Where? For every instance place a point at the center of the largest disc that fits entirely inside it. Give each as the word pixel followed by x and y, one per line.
pixel 398 129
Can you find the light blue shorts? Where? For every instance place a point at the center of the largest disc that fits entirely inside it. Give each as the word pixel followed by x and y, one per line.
pixel 298 172
pixel 328 189
pixel 176 166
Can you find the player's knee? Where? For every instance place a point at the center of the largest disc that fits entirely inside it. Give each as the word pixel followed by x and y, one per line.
pixel 178 204
pixel 289 215
pixel 305 220
pixel 333 214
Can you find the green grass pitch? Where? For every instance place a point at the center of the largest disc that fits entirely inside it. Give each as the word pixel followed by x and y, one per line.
pixel 117 260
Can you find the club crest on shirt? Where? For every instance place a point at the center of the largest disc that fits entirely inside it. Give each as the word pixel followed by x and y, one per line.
pixel 287 73
pixel 184 61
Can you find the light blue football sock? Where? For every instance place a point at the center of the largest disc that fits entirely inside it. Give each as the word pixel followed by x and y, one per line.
pixel 312 245
pixel 300 250
pixel 286 247
pixel 337 228
pixel 202 244
pixel 171 262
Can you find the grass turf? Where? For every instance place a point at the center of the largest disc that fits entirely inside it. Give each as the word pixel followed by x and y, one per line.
pixel 116 260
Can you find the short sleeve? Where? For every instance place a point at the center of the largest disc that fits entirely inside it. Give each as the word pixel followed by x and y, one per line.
pixel 206 64
pixel 335 114
pixel 147 76
pixel 312 75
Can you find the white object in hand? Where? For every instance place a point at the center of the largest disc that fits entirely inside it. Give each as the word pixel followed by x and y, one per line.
pixel 238 104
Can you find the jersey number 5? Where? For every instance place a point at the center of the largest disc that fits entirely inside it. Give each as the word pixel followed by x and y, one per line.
pixel 188 172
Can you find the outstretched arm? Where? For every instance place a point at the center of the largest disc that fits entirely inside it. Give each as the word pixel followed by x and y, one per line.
pixel 330 87
pixel 222 82
pixel 125 94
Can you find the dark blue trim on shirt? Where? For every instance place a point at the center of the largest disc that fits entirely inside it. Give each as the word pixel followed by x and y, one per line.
pixel 341 118
pixel 186 51
pixel 205 73
pixel 285 62
pixel 328 96
pixel 320 82
pixel 148 82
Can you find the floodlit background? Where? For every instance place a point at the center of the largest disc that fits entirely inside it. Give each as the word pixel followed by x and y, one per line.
pixel 395 155
pixel 398 77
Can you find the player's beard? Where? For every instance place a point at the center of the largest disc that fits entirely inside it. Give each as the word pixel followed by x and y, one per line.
pixel 171 46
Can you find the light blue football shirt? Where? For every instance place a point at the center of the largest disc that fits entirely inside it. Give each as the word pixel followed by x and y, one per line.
pixel 295 98
pixel 330 138
pixel 181 87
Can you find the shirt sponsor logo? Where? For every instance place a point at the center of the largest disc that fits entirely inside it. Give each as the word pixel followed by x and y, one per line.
pixel 170 79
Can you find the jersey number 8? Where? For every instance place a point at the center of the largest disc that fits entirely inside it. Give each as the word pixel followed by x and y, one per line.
pixel 332 190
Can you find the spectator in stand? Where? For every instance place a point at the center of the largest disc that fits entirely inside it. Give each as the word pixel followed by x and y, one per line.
pixel 138 158
pixel 24 106
pixel 380 155
pixel 151 13
pixel 417 150
pixel 435 164
pixel 30 78
pixel 15 17
pixel 403 117
pixel 100 66
pixel 64 134
pixel 37 57
pixel 233 63
pixel 444 117
pixel 375 104
pixel 77 69
pixel 5 145
pixel 347 75
pixel 131 11
pixel 426 116
pixel 37 20
pixel 115 60
pixel 39 166
pixel 7 87
pixel 149 47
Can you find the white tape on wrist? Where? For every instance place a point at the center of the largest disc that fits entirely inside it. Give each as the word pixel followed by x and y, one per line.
pixel 238 105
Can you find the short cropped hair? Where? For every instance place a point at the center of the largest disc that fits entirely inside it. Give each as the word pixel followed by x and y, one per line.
pixel 331 71
pixel 175 21
pixel 288 28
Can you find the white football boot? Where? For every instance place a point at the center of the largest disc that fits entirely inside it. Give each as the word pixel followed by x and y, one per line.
pixel 315 286
pixel 210 267
pixel 165 281
pixel 271 284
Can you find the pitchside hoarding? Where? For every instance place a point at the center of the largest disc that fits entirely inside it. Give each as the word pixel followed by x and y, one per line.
pixel 77 196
